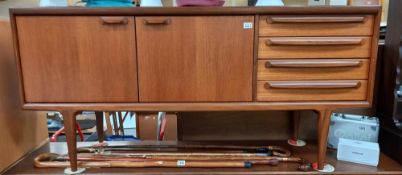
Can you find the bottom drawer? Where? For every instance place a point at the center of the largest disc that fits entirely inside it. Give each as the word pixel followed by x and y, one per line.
pixel 311 90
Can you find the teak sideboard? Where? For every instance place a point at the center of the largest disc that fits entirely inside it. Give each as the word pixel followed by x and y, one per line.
pixel 196 59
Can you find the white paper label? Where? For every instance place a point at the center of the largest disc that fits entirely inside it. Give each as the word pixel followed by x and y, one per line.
pixel 247 25
pixel 181 163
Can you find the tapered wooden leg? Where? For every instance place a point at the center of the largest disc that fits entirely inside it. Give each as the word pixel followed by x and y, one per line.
pixel 69 125
pixel 294 140
pixel 324 118
pixel 99 126
pixel 121 122
pixel 109 130
pixel 115 125
pixel 137 125
pixel 296 123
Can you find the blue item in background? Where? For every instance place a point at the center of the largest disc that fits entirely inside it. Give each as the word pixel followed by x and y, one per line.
pixel 54 125
pixel 109 3
pixel 121 138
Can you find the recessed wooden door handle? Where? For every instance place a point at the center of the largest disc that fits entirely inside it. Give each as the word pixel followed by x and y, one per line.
pixel 114 20
pixel 153 21
pixel 313 63
pixel 313 41
pixel 311 84
pixel 315 19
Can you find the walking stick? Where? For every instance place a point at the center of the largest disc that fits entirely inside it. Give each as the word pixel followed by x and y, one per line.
pixel 54 160
pixel 131 156
pixel 276 150
pixel 178 156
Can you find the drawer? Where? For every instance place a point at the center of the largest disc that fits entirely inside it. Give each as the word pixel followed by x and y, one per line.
pixel 311 90
pixel 313 69
pixel 286 25
pixel 314 47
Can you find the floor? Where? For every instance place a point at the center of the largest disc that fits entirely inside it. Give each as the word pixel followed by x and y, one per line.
pixel 387 165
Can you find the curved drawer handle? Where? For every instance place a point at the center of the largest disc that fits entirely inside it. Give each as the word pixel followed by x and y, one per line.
pixel 312 41
pixel 315 19
pixel 312 84
pixel 114 20
pixel 311 63
pixel 153 21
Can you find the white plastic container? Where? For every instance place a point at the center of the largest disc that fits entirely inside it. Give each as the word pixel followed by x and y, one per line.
pixel 362 152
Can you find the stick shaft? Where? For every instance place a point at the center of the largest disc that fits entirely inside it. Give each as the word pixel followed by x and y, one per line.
pixel 277 150
pixel 125 164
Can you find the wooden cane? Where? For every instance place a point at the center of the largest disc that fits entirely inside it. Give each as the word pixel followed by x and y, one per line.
pixel 204 157
pixel 276 150
pixel 54 160
pixel 48 160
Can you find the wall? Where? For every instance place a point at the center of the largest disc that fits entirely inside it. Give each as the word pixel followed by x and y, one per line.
pixel 20 131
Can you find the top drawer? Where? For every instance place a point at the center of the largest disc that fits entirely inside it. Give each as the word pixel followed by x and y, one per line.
pixel 309 25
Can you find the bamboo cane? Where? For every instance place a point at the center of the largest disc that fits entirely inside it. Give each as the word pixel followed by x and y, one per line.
pixel 99 161
pixel 184 154
pixel 192 156
pixel 48 160
pixel 276 150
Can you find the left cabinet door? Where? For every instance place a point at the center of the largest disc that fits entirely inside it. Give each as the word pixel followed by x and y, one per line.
pixel 77 58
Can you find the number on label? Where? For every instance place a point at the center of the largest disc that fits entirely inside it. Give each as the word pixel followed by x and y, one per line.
pixel 181 163
pixel 247 25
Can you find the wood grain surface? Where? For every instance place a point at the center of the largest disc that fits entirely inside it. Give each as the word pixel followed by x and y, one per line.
pixel 211 10
pixel 184 59
pixel 313 69
pixel 313 41
pixel 195 59
pixel 324 120
pixel 313 47
pixel 312 84
pixel 77 59
pixel 304 94
pixel 316 25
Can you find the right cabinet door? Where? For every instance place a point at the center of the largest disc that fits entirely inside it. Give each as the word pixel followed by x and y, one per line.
pixel 195 59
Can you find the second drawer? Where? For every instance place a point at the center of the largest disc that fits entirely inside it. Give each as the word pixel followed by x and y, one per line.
pixel 313 69
pixel 314 47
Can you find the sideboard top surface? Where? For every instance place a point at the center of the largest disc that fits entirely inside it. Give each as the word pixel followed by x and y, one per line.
pixel 170 7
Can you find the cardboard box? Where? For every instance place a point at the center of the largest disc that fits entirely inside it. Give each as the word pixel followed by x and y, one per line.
pixel 148 126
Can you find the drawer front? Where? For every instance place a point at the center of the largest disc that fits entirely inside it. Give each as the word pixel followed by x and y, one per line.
pixel 313 69
pixel 311 90
pixel 314 47
pixel 287 25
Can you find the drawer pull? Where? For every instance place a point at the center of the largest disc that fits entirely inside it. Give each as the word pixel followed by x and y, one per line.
pixel 312 84
pixel 315 19
pixel 315 41
pixel 312 63
pixel 157 21
pixel 114 20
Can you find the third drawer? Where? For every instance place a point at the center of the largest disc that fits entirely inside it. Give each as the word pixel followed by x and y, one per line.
pixel 328 90
pixel 313 69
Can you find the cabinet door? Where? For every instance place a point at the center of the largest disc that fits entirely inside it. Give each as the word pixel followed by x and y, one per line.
pixel 78 59
pixel 198 58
